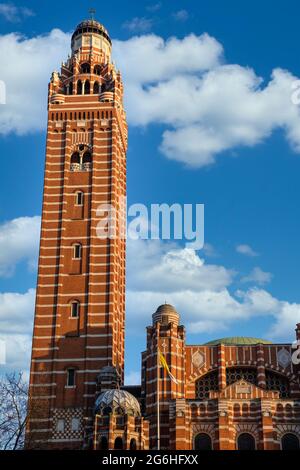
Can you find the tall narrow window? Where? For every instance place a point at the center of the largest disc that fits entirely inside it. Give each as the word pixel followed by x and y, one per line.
pixel 60 425
pixel 79 198
pixel 97 70
pixel 87 87
pixel 79 87
pixel 85 68
pixel 71 378
pixel 75 424
pixel 96 89
pixel 75 309
pixel 77 251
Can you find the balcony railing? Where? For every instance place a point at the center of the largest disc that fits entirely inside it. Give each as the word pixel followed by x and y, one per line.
pixel 106 96
pixel 79 167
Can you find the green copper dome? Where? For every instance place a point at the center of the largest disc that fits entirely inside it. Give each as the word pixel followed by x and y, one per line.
pixel 238 341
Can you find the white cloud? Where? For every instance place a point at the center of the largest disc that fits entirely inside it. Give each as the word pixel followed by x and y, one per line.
pixel 257 275
pixel 246 250
pixel 138 25
pixel 133 378
pixel 206 109
pixel 19 240
pixel 14 14
pixel 210 251
pixel 206 106
pixel 154 7
pixel 16 323
pixel 161 261
pixel 26 67
pixel 202 293
pixel 181 15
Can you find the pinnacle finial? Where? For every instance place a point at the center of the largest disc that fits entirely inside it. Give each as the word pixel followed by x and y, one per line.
pixel 92 12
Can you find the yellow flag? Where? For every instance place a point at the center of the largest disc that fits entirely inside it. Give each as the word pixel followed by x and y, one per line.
pixel 164 364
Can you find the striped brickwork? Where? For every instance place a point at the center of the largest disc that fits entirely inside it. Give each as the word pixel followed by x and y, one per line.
pixel 94 123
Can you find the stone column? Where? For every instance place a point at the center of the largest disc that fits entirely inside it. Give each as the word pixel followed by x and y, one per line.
pixel 261 371
pixel 222 366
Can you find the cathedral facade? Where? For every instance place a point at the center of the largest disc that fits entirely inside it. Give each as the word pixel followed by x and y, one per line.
pixel 232 393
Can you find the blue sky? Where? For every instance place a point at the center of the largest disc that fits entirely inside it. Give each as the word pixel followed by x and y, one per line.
pixel 250 191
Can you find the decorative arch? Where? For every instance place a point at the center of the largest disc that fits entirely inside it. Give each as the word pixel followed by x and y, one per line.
pixel 244 428
pixel 246 441
pixel 282 429
pixel 234 374
pixel 278 382
pixel 208 429
pixel 85 68
pixel 206 383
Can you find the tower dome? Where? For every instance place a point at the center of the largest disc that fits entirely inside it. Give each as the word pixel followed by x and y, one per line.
pixel 91 34
pixel 117 402
pixel 91 26
pixel 166 314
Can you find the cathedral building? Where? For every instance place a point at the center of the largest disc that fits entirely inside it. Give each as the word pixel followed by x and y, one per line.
pixel 232 393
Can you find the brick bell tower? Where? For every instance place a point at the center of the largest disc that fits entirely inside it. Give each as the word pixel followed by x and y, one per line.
pixel 80 300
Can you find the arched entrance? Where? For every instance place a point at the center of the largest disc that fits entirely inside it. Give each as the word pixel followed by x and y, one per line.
pixel 246 442
pixel 132 445
pixel 203 442
pixel 290 442
pixel 118 443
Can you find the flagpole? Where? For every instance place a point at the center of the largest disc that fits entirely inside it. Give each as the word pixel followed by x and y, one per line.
pixel 157 399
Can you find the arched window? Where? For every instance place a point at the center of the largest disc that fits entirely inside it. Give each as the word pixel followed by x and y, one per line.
pixel 107 410
pixel 290 442
pixel 203 442
pixel 75 162
pixel 103 443
pixel 79 87
pixel 76 251
pixel 87 161
pixel 278 382
pixel 75 307
pixel 85 68
pixel 87 87
pixel 79 198
pixel 96 89
pixel 75 158
pixel 97 70
pixel 71 88
pixel 207 383
pixel 71 378
pixel 132 445
pixel 118 444
pixel 246 442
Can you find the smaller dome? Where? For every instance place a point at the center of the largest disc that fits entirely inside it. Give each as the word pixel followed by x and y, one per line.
pixel 238 341
pixel 117 402
pixel 166 314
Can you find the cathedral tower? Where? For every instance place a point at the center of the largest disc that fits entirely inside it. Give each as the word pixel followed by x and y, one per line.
pixel 80 300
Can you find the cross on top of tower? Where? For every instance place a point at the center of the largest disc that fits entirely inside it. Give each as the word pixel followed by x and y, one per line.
pixel 92 12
